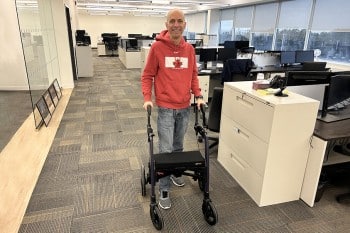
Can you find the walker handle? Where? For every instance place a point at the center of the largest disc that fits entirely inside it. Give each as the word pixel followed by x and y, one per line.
pixel 149 110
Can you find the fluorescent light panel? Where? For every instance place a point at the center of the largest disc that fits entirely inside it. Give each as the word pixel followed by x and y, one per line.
pixel 161 2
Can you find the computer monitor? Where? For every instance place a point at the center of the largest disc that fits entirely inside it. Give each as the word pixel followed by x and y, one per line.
pixel 207 54
pixel 133 35
pixel 339 90
pixel 312 84
pixel 226 53
pixel 80 36
pixel 133 43
pixel 287 58
pixel 238 44
pixel 302 56
pixel 296 78
pixel 80 32
pixel 109 34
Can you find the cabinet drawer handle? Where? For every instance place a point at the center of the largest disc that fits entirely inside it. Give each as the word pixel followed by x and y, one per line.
pixel 244 101
pixel 236 160
pixel 240 132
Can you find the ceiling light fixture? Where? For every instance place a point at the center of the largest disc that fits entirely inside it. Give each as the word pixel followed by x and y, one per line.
pixel 161 2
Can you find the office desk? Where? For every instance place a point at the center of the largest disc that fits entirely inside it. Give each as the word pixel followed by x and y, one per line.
pixel 213 78
pixel 267 70
pixel 207 82
pixel 326 135
pixel 275 69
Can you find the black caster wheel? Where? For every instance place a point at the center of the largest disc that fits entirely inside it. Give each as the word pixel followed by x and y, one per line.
pixel 143 181
pixel 156 217
pixel 200 139
pixel 209 212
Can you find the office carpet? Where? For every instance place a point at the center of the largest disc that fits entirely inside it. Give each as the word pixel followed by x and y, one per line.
pixel 91 179
pixel 15 107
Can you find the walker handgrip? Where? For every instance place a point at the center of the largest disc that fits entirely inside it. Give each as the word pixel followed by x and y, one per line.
pixel 149 110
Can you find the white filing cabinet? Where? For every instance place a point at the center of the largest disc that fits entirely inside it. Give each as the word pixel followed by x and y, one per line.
pixel 84 61
pixel 101 49
pixel 265 141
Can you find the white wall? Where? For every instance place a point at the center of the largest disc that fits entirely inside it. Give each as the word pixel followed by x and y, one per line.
pixel 62 42
pixel 94 25
pixel 12 66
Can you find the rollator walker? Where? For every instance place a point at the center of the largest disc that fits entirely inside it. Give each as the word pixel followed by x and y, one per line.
pixel 189 163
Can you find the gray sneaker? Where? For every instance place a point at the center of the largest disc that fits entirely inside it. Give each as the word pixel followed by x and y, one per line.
pixel 164 200
pixel 178 181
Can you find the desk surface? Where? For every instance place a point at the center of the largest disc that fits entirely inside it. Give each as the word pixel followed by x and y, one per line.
pixel 209 71
pixel 274 69
pixel 332 130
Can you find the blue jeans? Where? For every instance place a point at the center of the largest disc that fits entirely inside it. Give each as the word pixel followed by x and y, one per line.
pixel 172 126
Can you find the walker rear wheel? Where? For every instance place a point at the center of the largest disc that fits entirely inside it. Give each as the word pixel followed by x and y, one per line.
pixel 143 180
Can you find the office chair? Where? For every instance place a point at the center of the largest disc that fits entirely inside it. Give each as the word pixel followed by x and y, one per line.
pixel 343 149
pixel 237 70
pixel 111 43
pixel 343 197
pixel 215 114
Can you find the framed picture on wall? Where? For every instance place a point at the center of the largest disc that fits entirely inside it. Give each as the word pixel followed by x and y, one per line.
pixel 57 88
pixel 53 94
pixel 43 110
pixel 49 102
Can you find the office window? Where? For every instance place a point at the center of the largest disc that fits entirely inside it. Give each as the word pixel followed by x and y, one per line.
pixel 193 24
pixel 225 33
pixel 290 39
pixel 292 24
pixel 330 30
pixel 264 24
pixel 331 15
pixel 190 35
pixel 243 17
pixel 265 18
pixel 294 14
pixel 262 41
pixel 242 34
pixel 334 46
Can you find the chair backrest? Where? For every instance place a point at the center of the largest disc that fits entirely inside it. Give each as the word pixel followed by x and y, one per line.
pixel 215 109
pixel 236 70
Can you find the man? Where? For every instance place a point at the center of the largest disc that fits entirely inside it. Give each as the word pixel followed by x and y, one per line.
pixel 171 66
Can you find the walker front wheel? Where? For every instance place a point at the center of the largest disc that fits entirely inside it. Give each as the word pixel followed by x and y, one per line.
pixel 156 217
pixel 209 212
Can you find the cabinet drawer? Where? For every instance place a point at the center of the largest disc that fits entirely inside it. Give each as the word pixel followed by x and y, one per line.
pixel 245 176
pixel 248 147
pixel 252 114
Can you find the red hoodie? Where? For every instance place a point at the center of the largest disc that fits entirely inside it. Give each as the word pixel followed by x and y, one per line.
pixel 174 71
